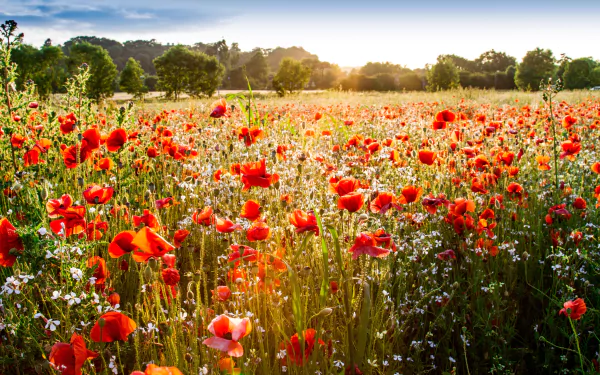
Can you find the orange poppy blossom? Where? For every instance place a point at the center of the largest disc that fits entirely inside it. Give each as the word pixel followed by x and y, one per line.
pixel 180 236
pixel 101 271
pixel 104 164
pixel 95 229
pixel 568 121
pixel 227 332
pixel 383 202
pixel 574 309
pixel 222 293
pixel 67 123
pixel 410 194
pixel 68 358
pixel 258 231
pixel 164 203
pixel 54 207
pixel 344 186
pixel 543 161
pixel 570 150
pixel 596 167
pixel 365 243
pixel 91 139
pixel 10 243
pixel 148 219
pixel 427 157
pixel 218 109
pixel 352 201
pixel 112 326
pixel 149 245
pixel 242 252
pixel 122 244
pixel 153 369
pixel 251 210
pixel 96 194
pixel 255 174
pixel 72 222
pixel 116 140
pixel 226 225
pixel 204 217
pixel 304 221
pixel 249 136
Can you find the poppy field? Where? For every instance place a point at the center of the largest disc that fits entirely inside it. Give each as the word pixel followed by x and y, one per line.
pixel 339 234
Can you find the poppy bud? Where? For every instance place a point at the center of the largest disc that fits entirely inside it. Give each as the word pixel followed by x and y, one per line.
pixel 153 264
pixel 455 285
pixel 148 274
pixel 33 105
pixel 188 357
pixel 325 312
pixel 101 322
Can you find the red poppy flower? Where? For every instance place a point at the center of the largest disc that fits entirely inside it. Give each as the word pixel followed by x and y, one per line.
pixel 180 236
pixel 67 123
pixel 543 161
pixel 293 349
pixel 70 156
pixel 515 190
pixel 96 194
pixel 17 140
pixel 446 255
pixel 104 164
pixel 116 140
pixel 227 332
pixel 344 186
pixel 153 369
pixel 596 167
pixel 114 299
pixel 164 203
pixel 569 121
pixel 121 244
pixel 304 221
pixel 204 217
pixel 9 240
pixel 352 201
pixel 73 221
pixel 570 149
pixel 95 229
pixel 32 157
pixel 251 210
pixel 579 203
pixel 170 276
pixel 255 174
pixel 218 109
pixel 91 139
pixel 115 326
pixel 242 252
pixel 54 207
pixel 69 358
pixel 574 309
pixel 445 115
pixel 148 219
pixel 250 136
pixel 410 194
pixel 222 293
pixel 383 202
pixel 427 157
pixel 169 260
pixel 226 225
pixel 431 203
pixel 101 272
pixel 365 244
pixel 258 231
pixel 149 245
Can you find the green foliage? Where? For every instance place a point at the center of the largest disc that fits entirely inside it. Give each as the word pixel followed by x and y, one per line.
pixel 536 66
pixel 256 70
pixel 277 55
pixel 102 69
pixel 492 61
pixel 44 66
pixel 151 82
pixel 577 73
pixel 595 76
pixel 443 75
pixel 323 75
pixel 291 77
pixel 132 79
pixel 182 70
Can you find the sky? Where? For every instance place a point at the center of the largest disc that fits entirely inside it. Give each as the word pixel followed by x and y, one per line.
pixel 349 33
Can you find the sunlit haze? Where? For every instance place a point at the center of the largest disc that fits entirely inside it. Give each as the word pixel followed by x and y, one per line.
pixel 348 33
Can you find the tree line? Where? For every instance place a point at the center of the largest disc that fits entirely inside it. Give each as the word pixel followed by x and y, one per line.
pixel 200 69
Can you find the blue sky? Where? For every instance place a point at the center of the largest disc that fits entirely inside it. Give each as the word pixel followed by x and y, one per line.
pixel 349 33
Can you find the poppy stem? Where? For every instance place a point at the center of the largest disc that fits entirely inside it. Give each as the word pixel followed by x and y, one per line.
pixel 577 343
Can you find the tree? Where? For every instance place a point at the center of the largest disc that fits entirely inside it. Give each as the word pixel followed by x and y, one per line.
pixel 44 66
pixel 182 70
pixel 460 62
pixel 443 75
pixel 374 68
pixel 292 76
pixel 257 70
pixel 492 61
pixel 577 73
pixel 595 76
pixel 172 70
pixel 536 66
pixel 132 79
pixel 103 70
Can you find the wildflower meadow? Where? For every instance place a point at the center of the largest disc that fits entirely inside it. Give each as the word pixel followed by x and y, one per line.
pixel 451 233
